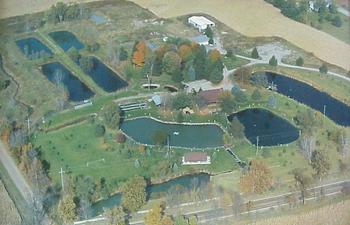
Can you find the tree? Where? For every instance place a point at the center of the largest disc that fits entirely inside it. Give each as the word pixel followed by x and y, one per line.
pixel 180 117
pixel 299 61
pixel 209 32
pixel 111 115
pixel 227 102
pixel 216 75
pixel 185 52
pixel 257 179
pixel 337 21
pixel 255 53
pixel 67 209
pixel 115 216
pixel 86 63
pixel 302 182
pixel 323 68
pixel 134 194
pixel 241 97
pixel 200 61
pixel 181 100
pixel 243 74
pixel 273 61
pixel 256 95
pixel 156 216
pixel 171 62
pixel 307 145
pixel 84 187
pixel 100 130
pixel 74 54
pixel 272 101
pixel 343 142
pixel 139 53
pixel 159 137
pixel 260 79
pixel 121 138
pixel 320 163
pixel 123 54
pixel 307 120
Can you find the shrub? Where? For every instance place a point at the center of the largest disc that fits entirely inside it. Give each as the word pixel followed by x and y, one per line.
pixel 100 130
pixel 323 68
pixel 337 21
pixel 255 53
pixel 121 138
pixel 299 61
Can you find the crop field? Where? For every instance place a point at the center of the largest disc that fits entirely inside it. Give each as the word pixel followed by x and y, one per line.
pixel 9 8
pixel 259 19
pixel 8 211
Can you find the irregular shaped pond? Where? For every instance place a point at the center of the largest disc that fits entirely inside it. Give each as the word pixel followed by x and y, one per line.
pixel 60 76
pixel 105 77
pixel 187 183
pixel 270 129
pixel 334 109
pixel 144 129
pixel 66 40
pixel 33 48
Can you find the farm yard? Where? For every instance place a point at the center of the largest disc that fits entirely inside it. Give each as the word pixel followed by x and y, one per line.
pixel 106 100
pixel 266 22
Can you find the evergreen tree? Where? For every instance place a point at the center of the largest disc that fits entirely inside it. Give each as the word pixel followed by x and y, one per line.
pixel 255 53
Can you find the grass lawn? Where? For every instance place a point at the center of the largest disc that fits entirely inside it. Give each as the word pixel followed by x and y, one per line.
pixel 342 33
pixel 234 63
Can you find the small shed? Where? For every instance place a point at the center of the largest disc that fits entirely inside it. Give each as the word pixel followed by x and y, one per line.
pixel 196 158
pixel 157 99
pixel 200 22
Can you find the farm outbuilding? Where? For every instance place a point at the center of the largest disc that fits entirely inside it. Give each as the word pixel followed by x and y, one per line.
pixel 200 22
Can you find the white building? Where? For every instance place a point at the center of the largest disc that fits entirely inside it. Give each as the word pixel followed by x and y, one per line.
pixel 200 22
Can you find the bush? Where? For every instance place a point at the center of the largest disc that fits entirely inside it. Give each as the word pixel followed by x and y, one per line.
pixel 255 53
pixel 299 61
pixel 323 68
pixel 256 95
pixel 100 130
pixel 260 79
pixel 337 21
pixel 181 100
pixel 121 138
pixel 273 61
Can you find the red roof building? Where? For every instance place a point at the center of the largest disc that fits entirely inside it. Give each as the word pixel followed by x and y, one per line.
pixel 211 96
pixel 196 158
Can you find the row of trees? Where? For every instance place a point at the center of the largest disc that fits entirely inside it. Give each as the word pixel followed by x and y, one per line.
pixel 63 12
pixel 180 59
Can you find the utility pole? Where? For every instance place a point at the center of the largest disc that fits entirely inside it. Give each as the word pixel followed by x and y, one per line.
pixel 62 172
pixel 28 124
pixel 324 109
pixel 257 145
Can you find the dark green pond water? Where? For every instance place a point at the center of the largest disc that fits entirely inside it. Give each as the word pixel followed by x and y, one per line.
pixel 59 75
pixel 187 183
pixel 334 109
pixel 180 135
pixel 66 40
pixel 269 128
pixel 31 47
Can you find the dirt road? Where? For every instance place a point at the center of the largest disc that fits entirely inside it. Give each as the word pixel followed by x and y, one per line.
pixel 15 174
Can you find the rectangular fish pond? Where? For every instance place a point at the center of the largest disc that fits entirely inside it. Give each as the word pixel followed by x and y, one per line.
pixel 104 77
pixel 266 127
pixel 144 130
pixel 66 40
pixel 59 75
pixel 334 109
pixel 33 48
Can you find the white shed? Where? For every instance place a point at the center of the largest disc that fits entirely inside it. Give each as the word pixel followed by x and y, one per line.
pixel 200 22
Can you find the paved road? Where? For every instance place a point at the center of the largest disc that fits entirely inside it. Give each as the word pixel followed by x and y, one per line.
pixel 264 204
pixel 15 174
